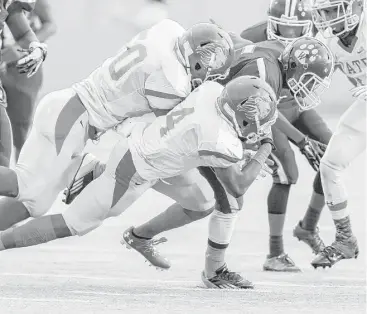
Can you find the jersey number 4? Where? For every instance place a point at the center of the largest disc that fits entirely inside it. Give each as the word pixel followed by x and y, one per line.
pixel 126 60
pixel 174 117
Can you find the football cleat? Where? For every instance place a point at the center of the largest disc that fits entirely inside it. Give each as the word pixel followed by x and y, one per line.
pixel 88 170
pixel 311 238
pixel 280 263
pixel 340 249
pixel 225 279
pixel 147 248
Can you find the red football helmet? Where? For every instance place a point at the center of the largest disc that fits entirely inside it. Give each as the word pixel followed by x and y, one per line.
pixel 308 65
pixel 289 19
pixel 207 52
pixel 249 104
pixel 337 16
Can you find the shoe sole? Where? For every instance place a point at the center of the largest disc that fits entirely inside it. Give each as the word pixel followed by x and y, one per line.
pixel 210 285
pixel 282 270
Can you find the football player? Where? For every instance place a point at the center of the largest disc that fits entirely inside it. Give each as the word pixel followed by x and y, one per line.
pixel 280 68
pixel 153 72
pixel 12 15
pixel 287 20
pixel 207 129
pixel 22 91
pixel 343 25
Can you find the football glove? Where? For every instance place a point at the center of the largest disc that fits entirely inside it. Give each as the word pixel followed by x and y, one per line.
pixel 313 151
pixel 36 54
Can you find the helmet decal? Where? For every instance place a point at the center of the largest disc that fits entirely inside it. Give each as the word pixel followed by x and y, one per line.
pixel 213 55
pixel 255 107
pixel 306 53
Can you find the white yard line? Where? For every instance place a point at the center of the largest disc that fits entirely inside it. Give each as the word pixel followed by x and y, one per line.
pixel 347 279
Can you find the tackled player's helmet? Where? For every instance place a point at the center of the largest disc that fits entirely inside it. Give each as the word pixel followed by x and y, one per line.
pixel 207 52
pixel 289 19
pixel 308 66
pixel 249 104
pixel 336 17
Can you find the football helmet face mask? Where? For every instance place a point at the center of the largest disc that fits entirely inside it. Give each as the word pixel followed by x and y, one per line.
pixel 308 66
pixel 207 53
pixel 249 104
pixel 336 17
pixel 289 19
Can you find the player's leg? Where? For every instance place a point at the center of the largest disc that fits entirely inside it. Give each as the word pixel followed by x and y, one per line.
pixel 285 173
pixel 221 226
pixel 5 137
pixel 194 200
pixel 50 154
pixel 312 124
pixel 347 143
pixel 109 195
pixel 22 94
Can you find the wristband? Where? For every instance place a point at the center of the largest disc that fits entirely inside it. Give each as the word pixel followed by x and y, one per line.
pixel 269 141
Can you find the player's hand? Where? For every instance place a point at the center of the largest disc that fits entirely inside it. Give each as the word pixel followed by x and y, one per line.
pixel 313 151
pixel 360 92
pixel 265 170
pixel 36 54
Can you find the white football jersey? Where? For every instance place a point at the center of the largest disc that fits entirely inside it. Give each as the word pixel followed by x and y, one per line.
pixel 351 60
pixel 192 134
pixel 145 75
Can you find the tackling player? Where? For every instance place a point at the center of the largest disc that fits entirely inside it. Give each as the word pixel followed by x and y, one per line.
pixel 343 25
pixel 287 20
pixel 22 91
pixel 270 62
pixel 207 129
pixel 152 73
pixel 12 15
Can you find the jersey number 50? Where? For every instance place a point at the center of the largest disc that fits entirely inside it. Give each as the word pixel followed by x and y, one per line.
pixel 126 60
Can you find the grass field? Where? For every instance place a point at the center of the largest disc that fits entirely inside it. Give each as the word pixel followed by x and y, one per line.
pixel 95 274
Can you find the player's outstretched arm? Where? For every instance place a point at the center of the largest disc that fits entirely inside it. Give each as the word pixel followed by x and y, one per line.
pixel 236 179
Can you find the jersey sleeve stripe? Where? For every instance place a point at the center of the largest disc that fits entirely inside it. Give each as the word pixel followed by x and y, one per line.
pixel 150 92
pixel 262 69
pixel 203 153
